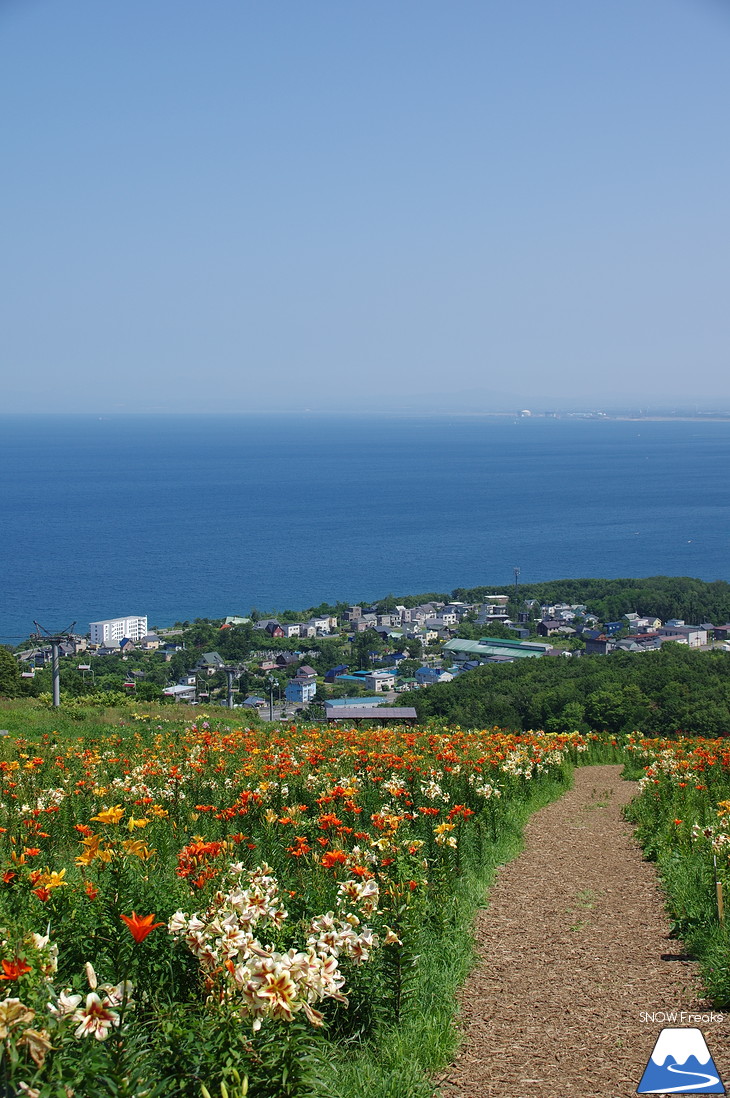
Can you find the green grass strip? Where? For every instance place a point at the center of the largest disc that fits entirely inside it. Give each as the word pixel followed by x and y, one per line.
pixel 403 1060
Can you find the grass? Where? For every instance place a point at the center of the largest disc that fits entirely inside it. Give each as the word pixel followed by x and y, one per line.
pixel 405 1058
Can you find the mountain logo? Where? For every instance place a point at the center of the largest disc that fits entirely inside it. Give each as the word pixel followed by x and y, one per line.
pixel 681 1064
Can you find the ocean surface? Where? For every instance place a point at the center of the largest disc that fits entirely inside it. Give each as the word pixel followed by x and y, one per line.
pixel 194 516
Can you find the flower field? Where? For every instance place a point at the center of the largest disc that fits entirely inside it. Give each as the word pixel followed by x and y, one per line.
pixel 212 910
pixel 683 822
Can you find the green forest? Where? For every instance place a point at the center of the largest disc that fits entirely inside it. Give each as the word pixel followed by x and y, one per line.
pixel 672 689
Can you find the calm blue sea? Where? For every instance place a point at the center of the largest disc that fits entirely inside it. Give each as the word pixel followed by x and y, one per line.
pixel 187 516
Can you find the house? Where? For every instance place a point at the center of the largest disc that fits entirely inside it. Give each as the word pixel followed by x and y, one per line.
pixel 210 662
pixel 320 624
pixel 597 644
pixel 306 672
pixel 628 645
pixel 125 646
pixel 301 690
pixel 612 627
pixel 461 609
pixel 426 676
pixel 380 681
pixel 443 623
pixel 270 626
pixel 648 624
pixel 292 629
pixel 331 675
pixel 668 636
pixel 443 618
pixel 549 626
pixel 494 608
pixel 694 636
pixel 427 609
pixel 150 642
pixel 353 614
pixel 645 641
pixel 418 615
pixel 254 702
pixel 284 659
pixel 180 692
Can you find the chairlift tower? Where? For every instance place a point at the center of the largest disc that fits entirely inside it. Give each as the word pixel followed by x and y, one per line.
pixel 44 636
pixel 232 671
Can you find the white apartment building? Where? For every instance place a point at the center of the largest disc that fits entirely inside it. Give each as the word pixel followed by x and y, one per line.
pixel 113 630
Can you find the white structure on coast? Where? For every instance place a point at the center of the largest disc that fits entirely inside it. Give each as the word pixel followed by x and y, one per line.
pixel 110 632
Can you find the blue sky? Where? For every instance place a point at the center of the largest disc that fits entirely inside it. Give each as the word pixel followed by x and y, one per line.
pixel 411 205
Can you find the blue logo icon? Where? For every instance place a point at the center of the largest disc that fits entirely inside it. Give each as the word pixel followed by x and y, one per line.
pixel 681 1064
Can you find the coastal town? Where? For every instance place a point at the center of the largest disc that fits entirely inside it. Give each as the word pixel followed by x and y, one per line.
pixel 346 665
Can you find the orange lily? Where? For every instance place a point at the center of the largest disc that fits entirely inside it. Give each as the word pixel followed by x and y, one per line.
pixel 140 925
pixel 13 970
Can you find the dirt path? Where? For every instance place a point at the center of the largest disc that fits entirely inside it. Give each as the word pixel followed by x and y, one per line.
pixel 574 946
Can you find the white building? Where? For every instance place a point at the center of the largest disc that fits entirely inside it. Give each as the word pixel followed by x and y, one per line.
pixel 493 609
pixel 113 630
pixel 380 681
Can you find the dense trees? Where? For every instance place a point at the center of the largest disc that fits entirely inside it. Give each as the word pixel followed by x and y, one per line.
pixel 10 680
pixel 666 596
pixel 656 692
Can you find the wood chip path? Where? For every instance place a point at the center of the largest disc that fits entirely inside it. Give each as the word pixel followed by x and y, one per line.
pixel 574 945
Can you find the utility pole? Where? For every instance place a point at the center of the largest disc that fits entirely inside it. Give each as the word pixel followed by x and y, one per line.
pixel 232 672
pixel 44 636
pixel 517 576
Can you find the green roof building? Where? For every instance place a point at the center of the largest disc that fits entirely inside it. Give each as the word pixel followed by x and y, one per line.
pixel 490 647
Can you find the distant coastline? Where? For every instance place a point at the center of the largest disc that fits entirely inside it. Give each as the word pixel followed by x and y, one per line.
pixel 374 414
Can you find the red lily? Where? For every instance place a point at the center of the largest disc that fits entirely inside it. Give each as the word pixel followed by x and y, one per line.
pixel 140 925
pixel 13 970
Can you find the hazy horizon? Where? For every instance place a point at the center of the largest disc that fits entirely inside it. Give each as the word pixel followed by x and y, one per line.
pixel 413 209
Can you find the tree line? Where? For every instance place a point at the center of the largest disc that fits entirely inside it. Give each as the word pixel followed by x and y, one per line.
pixel 659 693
